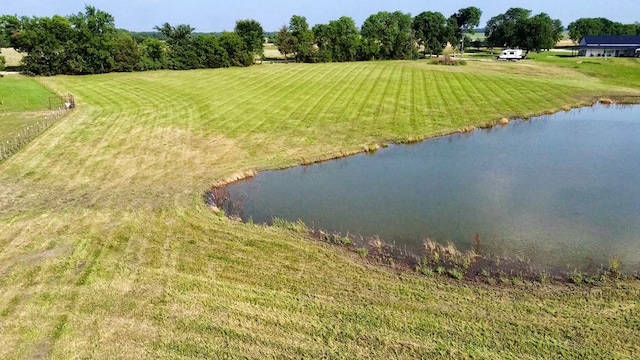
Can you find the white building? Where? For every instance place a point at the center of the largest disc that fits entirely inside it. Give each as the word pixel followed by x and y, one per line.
pixel 610 46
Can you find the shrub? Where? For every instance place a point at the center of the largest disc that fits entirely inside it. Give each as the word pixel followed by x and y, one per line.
pixel 576 277
pixel 298 226
pixel 338 239
pixel 543 277
pixel 614 265
pixel 3 63
pixel 456 274
pixel 363 252
pixel 426 271
pixel 447 60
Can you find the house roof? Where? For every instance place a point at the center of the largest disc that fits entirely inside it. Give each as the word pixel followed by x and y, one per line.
pixel 618 41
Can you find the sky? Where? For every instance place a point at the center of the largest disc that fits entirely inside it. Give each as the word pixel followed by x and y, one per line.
pixel 215 16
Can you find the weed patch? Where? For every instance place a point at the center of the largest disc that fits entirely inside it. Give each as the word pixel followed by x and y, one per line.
pixel 447 60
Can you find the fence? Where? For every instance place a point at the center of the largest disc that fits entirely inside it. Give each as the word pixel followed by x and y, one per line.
pixel 64 105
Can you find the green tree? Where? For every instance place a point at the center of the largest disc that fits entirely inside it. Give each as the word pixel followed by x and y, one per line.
pixel 8 24
pixel 517 28
pixel 584 26
pixel 154 55
pixel 49 44
pixel 431 31
pixel 285 42
pixel 10 27
pixel 323 38
pixel 338 40
pixel 599 26
pixel 93 44
pixel 501 29
pixel 252 34
pixel 235 47
pixel 346 39
pixel 126 53
pixel 182 50
pixel 388 36
pixel 538 32
pixel 466 20
pixel 303 39
pixel 211 53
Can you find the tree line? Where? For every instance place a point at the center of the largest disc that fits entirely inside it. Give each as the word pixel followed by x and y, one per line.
pixel 600 26
pixel 383 36
pixel 89 43
pixel 518 28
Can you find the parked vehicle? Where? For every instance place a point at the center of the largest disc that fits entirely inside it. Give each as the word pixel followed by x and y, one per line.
pixel 511 55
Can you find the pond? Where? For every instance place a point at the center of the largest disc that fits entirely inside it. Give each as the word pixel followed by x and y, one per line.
pixel 561 190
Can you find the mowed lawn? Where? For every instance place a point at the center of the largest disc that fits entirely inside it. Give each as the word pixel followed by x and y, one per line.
pixel 23 103
pixel 108 251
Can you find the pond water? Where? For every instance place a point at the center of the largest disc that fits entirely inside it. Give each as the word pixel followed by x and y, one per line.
pixel 561 190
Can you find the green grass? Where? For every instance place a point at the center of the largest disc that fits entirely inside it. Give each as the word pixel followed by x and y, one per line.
pixel 107 249
pixel 616 71
pixel 11 124
pixel 19 93
pixel 24 104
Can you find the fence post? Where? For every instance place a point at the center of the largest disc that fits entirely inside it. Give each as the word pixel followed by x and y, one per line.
pixel 31 132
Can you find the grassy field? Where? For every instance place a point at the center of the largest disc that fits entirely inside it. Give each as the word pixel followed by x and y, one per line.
pixel 615 71
pixel 13 57
pixel 271 52
pixel 19 93
pixel 23 103
pixel 107 249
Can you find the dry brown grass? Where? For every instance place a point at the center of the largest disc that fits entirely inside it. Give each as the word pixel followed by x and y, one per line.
pixel 13 57
pixel 565 43
pixel 606 101
pixel 271 52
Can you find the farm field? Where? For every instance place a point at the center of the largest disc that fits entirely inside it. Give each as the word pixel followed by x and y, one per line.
pixel 23 103
pixel 12 57
pixel 108 250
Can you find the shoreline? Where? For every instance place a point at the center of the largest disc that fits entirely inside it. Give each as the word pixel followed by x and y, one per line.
pixel 612 100
pixel 438 259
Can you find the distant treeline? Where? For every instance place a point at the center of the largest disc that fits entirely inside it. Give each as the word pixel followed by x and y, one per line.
pixel 89 43
pixel 600 26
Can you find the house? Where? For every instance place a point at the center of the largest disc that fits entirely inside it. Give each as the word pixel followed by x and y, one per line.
pixel 610 46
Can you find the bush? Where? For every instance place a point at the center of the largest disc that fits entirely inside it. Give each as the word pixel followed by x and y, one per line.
pixel 447 60
pixel 3 63
pixel 576 277
pixel 614 266
pixel 298 226
pixel 456 274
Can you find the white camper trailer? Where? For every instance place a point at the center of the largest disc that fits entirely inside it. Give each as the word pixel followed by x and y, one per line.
pixel 511 54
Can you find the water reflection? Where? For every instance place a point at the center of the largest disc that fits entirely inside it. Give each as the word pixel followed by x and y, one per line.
pixel 560 190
